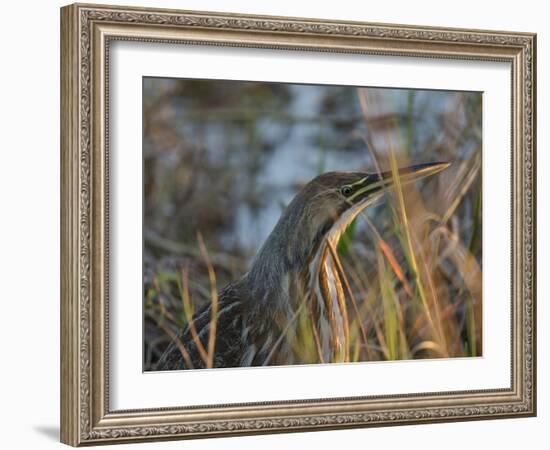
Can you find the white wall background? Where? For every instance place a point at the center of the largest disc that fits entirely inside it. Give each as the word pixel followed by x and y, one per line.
pixel 29 224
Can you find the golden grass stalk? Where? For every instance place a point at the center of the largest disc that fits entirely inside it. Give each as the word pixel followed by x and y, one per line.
pixel 188 310
pixel 388 253
pixel 214 303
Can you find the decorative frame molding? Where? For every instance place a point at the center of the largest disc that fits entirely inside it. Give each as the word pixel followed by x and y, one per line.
pixel 86 31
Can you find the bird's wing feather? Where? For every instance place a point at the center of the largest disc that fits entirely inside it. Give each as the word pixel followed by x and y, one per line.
pixel 227 349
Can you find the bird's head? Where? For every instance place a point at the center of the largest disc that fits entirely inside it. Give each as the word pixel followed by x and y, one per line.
pixel 337 197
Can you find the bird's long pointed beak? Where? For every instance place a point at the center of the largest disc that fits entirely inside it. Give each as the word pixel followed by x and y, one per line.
pixel 413 173
pixel 377 182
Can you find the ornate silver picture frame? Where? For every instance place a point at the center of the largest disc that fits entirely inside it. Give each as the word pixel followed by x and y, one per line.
pixel 87 34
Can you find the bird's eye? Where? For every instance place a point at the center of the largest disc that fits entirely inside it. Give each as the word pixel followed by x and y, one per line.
pixel 346 191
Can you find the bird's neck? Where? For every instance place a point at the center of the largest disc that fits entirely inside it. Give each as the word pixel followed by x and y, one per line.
pixel 270 276
pixel 289 248
pixel 297 263
pixel 295 243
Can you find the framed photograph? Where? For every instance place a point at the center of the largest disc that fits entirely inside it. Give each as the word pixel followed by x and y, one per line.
pixel 276 224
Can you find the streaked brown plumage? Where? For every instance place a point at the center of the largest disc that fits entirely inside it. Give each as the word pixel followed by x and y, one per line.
pixel 296 267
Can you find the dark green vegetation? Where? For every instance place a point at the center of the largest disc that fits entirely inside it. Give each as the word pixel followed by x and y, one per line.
pixel 222 159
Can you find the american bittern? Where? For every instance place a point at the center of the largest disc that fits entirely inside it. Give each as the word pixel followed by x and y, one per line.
pixel 295 265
